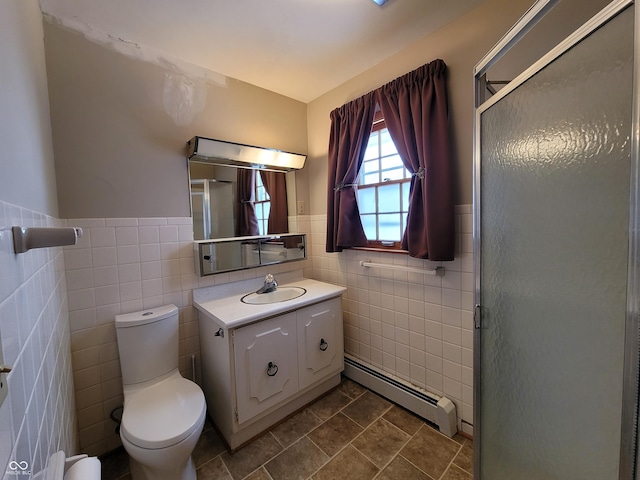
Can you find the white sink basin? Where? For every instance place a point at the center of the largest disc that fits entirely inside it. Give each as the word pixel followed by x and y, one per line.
pixel 281 294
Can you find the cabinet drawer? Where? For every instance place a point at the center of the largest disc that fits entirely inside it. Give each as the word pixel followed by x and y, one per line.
pixel 320 341
pixel 266 367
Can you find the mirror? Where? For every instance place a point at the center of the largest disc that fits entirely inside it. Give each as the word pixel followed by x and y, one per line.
pixel 218 256
pixel 214 200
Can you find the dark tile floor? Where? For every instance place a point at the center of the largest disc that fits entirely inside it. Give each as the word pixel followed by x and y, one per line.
pixel 351 433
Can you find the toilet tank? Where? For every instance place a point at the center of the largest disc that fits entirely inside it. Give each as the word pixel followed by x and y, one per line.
pixel 147 343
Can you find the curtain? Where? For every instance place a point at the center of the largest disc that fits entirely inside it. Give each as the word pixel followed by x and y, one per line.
pixel 275 185
pixel 350 129
pixel 415 110
pixel 246 222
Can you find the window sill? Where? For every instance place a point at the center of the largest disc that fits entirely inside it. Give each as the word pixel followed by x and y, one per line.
pixel 381 249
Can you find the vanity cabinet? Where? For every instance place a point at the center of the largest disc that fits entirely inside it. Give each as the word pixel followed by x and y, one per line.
pixel 255 375
pixel 266 364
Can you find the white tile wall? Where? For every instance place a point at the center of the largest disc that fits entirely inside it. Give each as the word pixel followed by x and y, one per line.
pixel 416 327
pixel 121 266
pixel 38 416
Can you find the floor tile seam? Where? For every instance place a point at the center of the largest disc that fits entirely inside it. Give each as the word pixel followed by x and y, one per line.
pixel 365 429
pixel 337 411
pixel 355 398
pixel 336 454
pixel 265 471
pixel 259 466
pixel 453 465
pixel 411 437
pixel 298 439
pixel 417 467
pixel 456 456
pixel 371 460
pixel 444 472
pixel 264 467
pixel 213 458
pixel 224 465
pixel 281 452
pixel 373 421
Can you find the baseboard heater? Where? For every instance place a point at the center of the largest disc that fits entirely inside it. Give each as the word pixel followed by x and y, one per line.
pixel 438 410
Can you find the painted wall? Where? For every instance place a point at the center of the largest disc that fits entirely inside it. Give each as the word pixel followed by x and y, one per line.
pixel 38 416
pixel 120 125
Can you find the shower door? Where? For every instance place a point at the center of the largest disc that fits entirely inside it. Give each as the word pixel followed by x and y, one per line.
pixel 553 182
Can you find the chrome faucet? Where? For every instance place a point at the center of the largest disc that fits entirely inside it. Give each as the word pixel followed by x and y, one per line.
pixel 270 284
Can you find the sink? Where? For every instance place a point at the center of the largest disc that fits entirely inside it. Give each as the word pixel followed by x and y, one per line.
pixel 282 294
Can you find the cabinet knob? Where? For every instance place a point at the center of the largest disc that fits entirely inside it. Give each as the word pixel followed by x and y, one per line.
pixel 272 369
pixel 323 345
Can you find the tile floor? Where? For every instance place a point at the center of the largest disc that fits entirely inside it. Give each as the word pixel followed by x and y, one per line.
pixel 350 434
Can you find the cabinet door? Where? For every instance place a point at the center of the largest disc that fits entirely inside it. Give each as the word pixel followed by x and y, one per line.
pixel 320 342
pixel 265 357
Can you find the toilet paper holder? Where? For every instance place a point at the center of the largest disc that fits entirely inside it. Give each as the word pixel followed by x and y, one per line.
pixel 26 238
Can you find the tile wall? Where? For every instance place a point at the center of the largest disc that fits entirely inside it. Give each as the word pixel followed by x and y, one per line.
pixel 121 266
pixel 38 416
pixel 413 326
pixel 416 327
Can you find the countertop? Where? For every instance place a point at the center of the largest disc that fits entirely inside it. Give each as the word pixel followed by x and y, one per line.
pixel 222 303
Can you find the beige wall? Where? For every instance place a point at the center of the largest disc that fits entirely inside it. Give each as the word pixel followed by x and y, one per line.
pixel 26 153
pixel 461 44
pixel 120 127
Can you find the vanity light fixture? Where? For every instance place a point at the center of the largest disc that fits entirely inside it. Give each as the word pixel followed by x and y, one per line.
pixel 219 152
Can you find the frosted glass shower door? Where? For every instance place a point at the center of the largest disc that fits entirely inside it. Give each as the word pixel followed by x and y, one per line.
pixel 554 196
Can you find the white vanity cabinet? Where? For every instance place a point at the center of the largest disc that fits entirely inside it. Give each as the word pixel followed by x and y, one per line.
pixel 320 341
pixel 257 374
pixel 266 364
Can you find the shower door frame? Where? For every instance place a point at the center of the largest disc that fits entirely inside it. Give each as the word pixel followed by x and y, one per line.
pixel 629 455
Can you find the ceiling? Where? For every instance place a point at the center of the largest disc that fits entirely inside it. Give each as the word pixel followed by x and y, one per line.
pixel 298 48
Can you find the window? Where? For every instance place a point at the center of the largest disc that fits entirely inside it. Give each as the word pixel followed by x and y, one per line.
pixel 383 191
pixel 262 204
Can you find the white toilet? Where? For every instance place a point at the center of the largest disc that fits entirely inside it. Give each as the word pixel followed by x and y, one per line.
pixel 163 412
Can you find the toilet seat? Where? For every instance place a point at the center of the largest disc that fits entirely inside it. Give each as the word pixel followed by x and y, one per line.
pixel 163 414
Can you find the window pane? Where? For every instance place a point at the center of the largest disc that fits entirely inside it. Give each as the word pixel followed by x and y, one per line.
pixel 386 144
pixel 404 223
pixel 370 179
pixel 367 200
pixel 389 226
pixel 394 174
pixel 267 209
pixel 371 166
pixel 389 198
pixel 369 225
pixel 372 147
pixel 394 161
pixel 405 196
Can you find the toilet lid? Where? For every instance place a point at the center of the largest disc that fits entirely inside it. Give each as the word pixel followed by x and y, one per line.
pixel 163 414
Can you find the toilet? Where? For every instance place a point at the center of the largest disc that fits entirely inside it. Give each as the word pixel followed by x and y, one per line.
pixel 163 413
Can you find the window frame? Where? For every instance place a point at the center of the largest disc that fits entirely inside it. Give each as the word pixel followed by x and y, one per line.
pixel 383 245
pixel 263 222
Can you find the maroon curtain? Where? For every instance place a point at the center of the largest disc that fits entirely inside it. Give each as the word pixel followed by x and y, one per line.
pixel 275 185
pixel 415 110
pixel 350 129
pixel 246 222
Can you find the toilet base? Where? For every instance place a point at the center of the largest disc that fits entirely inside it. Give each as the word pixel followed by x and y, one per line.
pixel 141 472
